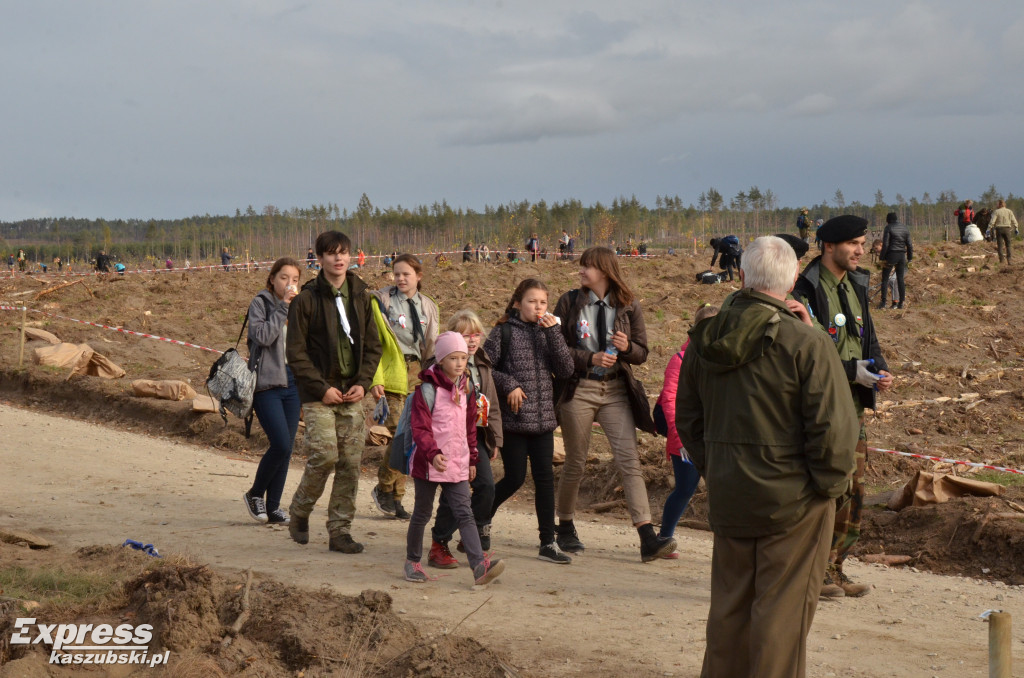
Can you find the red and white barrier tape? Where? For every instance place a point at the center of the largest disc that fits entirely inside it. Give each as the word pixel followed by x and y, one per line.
pixel 949 461
pixel 144 335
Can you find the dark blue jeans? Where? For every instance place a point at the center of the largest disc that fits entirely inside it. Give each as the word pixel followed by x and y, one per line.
pixel 676 503
pixel 278 412
pixel 483 497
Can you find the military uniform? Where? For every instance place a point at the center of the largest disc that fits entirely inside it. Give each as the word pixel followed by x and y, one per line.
pixel 840 308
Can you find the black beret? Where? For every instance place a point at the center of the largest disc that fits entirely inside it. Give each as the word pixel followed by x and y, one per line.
pixel 799 245
pixel 842 228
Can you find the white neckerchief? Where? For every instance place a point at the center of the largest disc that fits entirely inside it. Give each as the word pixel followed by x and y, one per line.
pixel 339 301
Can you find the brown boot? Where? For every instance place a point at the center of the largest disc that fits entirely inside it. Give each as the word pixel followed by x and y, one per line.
pixel 849 588
pixel 830 589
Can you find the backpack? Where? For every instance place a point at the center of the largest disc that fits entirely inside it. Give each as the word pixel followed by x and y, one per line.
pixel 660 422
pixel 402 445
pixel 733 246
pixel 232 380
pixel 708 277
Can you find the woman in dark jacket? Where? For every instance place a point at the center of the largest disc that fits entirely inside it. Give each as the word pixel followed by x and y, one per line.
pixel 897 251
pixel 276 400
pixel 535 349
pixel 604 326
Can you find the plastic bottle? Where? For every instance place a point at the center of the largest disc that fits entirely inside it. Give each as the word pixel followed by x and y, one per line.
pixel 611 350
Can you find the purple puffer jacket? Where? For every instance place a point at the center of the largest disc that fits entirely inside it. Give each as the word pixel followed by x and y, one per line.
pixel 534 354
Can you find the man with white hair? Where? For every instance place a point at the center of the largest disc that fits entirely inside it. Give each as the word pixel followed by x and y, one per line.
pixel 764 411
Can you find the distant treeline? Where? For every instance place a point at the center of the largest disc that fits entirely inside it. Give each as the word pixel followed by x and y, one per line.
pixel 273 232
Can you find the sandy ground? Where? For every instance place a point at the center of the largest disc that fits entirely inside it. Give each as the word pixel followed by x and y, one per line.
pixel 605 615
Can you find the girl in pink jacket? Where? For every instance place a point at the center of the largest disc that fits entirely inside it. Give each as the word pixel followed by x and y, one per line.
pixel 444 432
pixel 682 468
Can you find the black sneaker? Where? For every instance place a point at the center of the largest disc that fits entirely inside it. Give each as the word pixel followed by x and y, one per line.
pixel 552 554
pixel 344 543
pixel 400 512
pixel 656 547
pixel 298 528
pixel 256 507
pixel 567 538
pixel 485 537
pixel 384 501
pixel 277 517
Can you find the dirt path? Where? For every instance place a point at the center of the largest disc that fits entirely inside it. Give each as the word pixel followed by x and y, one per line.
pixel 605 615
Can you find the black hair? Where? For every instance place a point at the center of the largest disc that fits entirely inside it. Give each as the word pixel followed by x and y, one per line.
pixel 332 241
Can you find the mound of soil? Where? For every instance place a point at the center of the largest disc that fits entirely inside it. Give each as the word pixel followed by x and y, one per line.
pixel 286 630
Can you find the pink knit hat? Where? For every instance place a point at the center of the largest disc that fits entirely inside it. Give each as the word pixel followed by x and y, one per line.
pixel 449 342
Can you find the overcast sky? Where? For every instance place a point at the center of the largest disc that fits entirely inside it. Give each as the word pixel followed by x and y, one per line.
pixel 124 109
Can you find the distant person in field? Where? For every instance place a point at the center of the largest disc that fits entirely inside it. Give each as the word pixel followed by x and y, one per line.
pixel 563 245
pixel 467 253
pixel 225 259
pixel 803 224
pixel 533 247
pixel 897 252
pixel 22 260
pixel 406 322
pixel 1002 221
pixel 762 409
pixel 964 216
pixel 10 262
pixel 276 402
pixel 333 350
pixel 728 248
pixel 310 260
pixel 103 262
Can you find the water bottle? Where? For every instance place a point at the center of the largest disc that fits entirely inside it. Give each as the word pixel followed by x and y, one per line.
pixel 611 350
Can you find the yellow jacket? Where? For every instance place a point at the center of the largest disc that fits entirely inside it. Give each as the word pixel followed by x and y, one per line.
pixel 391 370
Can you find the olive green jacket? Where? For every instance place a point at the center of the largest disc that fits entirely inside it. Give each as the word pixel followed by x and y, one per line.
pixel 764 410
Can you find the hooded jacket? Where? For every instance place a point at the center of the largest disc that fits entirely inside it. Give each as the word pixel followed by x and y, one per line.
pixel 764 411
pixel 493 436
pixel 448 429
pixel 808 291
pixel 313 329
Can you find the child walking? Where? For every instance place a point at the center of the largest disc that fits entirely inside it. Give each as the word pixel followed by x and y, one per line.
pixel 685 472
pixel 535 349
pixel 445 455
pixel 488 440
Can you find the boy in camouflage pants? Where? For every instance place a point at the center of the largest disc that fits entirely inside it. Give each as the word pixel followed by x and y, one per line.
pixel 333 350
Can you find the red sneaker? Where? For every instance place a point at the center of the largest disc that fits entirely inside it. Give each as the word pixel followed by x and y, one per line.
pixel 441 557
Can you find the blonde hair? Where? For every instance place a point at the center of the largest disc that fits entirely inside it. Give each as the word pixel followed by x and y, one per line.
pixel 464 320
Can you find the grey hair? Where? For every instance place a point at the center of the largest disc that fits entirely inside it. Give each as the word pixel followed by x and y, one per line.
pixel 769 265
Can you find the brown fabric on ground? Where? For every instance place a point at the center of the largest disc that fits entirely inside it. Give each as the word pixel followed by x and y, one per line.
pixel 938 488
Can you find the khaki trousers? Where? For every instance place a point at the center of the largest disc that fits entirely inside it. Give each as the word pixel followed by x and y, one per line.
pixel 608 403
pixel 764 592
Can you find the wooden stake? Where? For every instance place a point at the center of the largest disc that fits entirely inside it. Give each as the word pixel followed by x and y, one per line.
pixel 21 351
pixel 1000 644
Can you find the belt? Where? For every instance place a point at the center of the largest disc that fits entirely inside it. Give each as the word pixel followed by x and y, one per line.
pixel 603 377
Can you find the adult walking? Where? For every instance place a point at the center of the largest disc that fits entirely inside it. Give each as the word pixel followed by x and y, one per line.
pixel 1002 221
pixel 774 459
pixel 835 291
pixel 276 400
pixel 897 252
pixel 407 324
pixel 603 324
